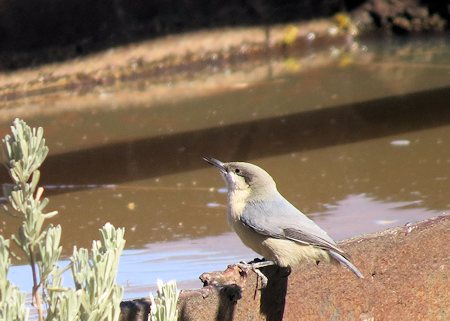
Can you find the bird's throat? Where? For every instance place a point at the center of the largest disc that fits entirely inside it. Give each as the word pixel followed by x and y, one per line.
pixel 237 200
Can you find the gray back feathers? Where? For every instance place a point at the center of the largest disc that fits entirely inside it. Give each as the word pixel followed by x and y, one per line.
pixel 279 219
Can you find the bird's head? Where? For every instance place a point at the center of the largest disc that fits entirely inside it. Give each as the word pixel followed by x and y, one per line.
pixel 241 176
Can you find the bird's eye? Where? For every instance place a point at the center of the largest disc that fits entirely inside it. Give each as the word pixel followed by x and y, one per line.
pixel 237 170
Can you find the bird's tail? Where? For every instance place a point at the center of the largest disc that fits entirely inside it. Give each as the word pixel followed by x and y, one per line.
pixel 347 263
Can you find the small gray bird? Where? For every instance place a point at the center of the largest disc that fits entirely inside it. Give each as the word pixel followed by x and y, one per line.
pixel 271 226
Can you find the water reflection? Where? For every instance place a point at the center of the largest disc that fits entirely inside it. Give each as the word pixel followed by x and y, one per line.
pixel 359 148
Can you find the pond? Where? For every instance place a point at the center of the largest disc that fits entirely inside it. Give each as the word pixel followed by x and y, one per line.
pixel 356 137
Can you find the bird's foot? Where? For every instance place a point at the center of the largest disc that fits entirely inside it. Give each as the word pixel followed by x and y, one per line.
pixel 255 267
pixel 244 266
pixel 263 278
pixel 261 264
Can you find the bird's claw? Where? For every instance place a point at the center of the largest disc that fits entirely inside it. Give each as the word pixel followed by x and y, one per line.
pixel 255 267
pixel 264 279
pixel 244 266
pixel 261 264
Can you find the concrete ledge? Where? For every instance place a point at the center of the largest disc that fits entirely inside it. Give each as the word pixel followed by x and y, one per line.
pixel 407 277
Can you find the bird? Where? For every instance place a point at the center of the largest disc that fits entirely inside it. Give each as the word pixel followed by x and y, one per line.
pixel 270 225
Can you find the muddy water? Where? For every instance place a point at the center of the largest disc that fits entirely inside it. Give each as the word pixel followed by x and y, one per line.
pixel 360 144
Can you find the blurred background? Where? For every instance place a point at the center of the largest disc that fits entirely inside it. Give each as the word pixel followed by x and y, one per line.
pixel 344 103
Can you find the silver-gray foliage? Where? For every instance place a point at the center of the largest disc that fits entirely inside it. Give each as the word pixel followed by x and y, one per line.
pixel 96 296
pixel 95 275
pixel 12 301
pixel 164 306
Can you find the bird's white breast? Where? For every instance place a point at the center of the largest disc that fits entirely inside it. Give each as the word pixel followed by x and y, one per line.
pixel 237 200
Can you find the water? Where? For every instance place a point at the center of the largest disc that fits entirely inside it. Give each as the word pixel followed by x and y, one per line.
pixel 358 139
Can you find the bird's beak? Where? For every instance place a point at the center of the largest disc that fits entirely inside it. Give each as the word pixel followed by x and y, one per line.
pixel 216 163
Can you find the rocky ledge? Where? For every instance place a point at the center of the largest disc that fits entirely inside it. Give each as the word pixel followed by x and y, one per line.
pixel 407 277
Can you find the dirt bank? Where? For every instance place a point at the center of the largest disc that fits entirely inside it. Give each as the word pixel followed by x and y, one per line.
pixel 46 31
pixel 169 58
pixel 59 68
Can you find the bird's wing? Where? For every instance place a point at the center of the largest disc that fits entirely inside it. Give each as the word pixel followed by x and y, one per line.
pixel 280 219
pixel 310 239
